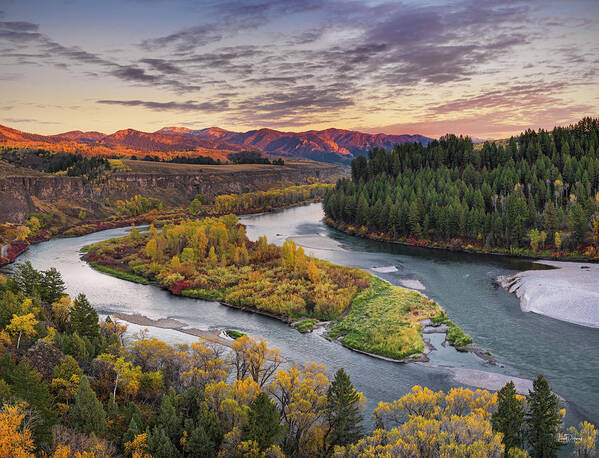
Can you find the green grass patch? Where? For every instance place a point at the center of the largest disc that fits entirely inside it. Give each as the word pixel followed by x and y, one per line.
pixel 384 320
pixel 305 325
pixel 233 334
pixel 84 249
pixel 119 274
pixel 455 335
pixel 205 294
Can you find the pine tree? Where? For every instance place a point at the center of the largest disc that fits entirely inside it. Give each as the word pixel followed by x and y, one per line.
pixel 199 444
pixel 578 222
pixel 342 412
pixel 87 414
pixel 509 417
pixel 543 420
pixel 134 429
pixel 52 287
pixel 414 220
pixel 27 279
pixel 160 444
pixel 168 416
pixel 84 319
pixel 264 422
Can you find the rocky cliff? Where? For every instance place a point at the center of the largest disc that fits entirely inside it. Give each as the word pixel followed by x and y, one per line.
pixel 67 196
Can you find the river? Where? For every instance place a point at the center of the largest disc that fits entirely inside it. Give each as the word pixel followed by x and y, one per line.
pixel 525 344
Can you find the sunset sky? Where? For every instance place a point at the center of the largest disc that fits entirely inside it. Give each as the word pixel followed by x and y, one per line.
pixel 483 68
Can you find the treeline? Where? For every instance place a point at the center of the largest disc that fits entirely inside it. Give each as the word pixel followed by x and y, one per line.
pixel 203 160
pixel 243 157
pixel 137 205
pixel 270 199
pixel 540 189
pixel 253 157
pixel 71 387
pixel 53 162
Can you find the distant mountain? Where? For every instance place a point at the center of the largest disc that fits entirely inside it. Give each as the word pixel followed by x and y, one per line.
pixel 330 145
pixel 77 135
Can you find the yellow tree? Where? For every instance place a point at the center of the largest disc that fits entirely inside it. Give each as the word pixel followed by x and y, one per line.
pixel 138 447
pixel 427 423
pixel 313 272
pixel 596 229
pixel 23 324
pixel 252 358
pixel 212 257
pixel 61 311
pixel 15 440
pixel 149 354
pixel 205 365
pixel 152 251
pixel 419 401
pixel 126 374
pixel 301 393
pixel 231 401
pixel 557 241
pixel 22 233
pixel 288 254
pixel 64 391
pixel 586 435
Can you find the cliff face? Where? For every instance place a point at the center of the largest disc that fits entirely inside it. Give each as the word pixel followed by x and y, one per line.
pixel 20 196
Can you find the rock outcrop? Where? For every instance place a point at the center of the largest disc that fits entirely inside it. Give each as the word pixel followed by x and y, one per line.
pixel 22 195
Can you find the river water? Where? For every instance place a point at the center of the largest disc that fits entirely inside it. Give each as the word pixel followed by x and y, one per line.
pixel 524 343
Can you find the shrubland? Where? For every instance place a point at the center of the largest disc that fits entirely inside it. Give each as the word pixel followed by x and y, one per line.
pixel 212 258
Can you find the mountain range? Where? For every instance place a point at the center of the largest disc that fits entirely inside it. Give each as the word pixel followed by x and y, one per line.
pixel 330 145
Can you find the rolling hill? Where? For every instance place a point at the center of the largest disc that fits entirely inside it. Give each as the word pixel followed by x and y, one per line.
pixel 330 145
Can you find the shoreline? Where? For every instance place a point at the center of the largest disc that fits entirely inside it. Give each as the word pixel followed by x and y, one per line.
pixel 427 327
pixel 565 257
pixel 175 325
pixel 569 292
pixel 492 381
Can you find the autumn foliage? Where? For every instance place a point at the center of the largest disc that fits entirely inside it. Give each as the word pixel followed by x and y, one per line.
pixel 212 258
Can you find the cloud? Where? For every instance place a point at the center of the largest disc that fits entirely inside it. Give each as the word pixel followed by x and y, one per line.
pixel 290 63
pixel 19 26
pixel 162 65
pixel 234 16
pixel 132 73
pixel 26 120
pixel 189 105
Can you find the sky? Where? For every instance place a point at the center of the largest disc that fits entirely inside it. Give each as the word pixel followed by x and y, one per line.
pixel 484 68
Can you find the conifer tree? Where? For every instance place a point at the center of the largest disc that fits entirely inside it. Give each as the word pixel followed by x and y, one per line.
pixel 264 422
pixel 199 444
pixel 543 420
pixel 168 416
pixel 84 318
pixel 51 286
pixel 87 414
pixel 509 417
pixel 342 412
pixel 160 444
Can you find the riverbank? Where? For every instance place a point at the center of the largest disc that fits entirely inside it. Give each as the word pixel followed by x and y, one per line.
pixel 212 335
pixel 568 292
pixel 461 246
